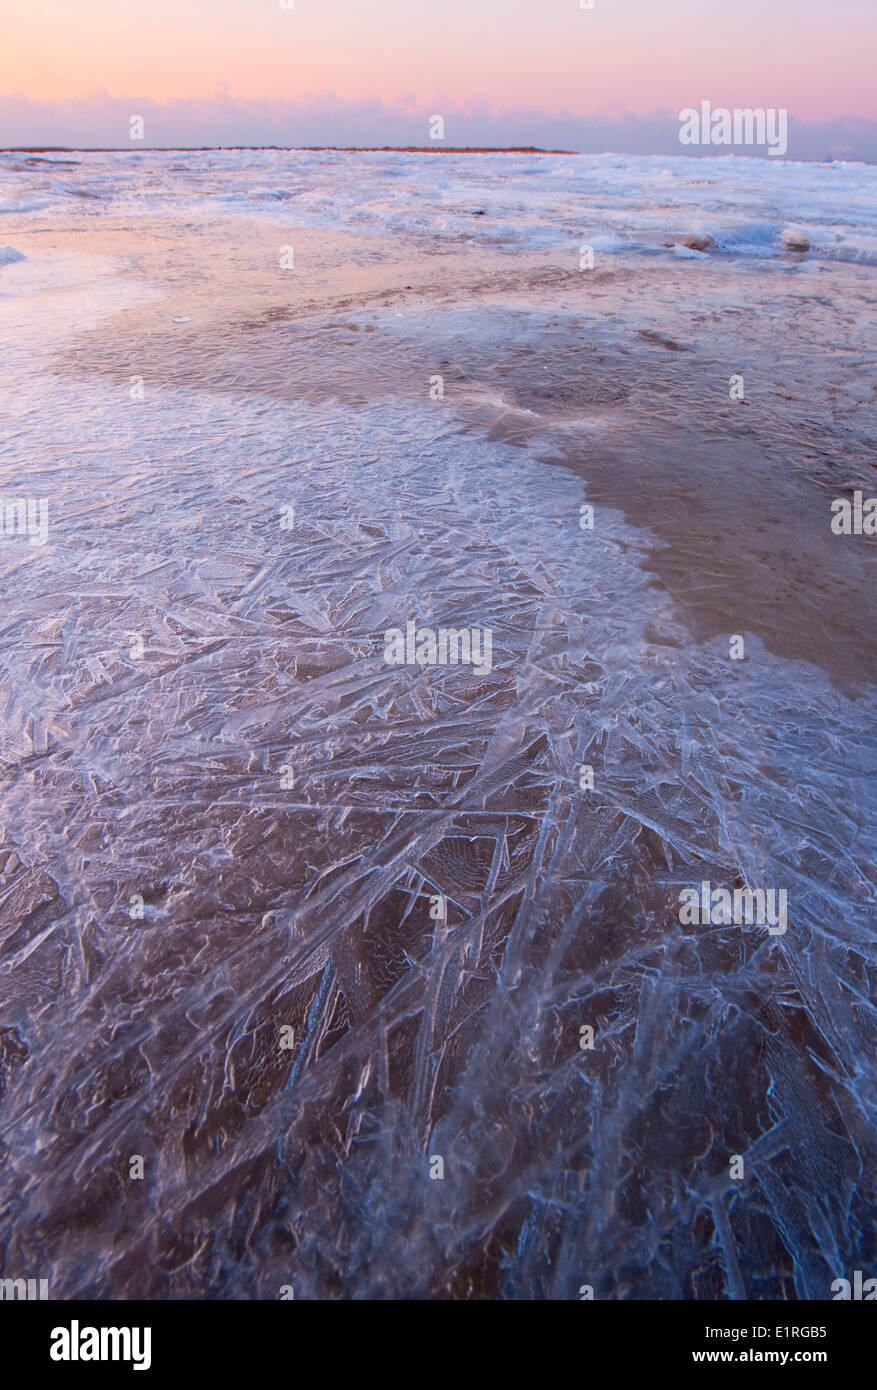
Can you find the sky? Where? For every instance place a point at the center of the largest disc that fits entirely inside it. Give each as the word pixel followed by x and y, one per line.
pixel 537 72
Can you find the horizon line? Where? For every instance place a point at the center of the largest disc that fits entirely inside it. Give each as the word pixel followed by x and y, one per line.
pixel 292 149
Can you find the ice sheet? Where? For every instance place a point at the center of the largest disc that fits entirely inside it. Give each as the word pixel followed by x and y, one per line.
pixel 629 203
pixel 308 906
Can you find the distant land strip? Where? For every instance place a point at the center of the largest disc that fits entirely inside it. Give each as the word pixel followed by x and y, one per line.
pixel 290 149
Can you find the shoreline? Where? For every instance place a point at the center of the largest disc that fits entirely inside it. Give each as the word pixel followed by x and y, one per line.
pixel 620 376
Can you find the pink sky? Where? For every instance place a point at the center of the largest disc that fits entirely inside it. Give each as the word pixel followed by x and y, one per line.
pixel 813 56
pixel 360 72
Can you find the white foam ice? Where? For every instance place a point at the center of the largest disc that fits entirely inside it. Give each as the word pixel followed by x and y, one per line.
pixel 529 201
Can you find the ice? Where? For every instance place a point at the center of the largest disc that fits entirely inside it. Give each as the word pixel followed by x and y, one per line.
pixel 311 907
pixel 159 773
pixel 532 201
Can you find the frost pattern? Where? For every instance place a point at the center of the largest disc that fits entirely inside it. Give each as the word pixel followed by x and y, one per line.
pixel 310 907
pixel 268 907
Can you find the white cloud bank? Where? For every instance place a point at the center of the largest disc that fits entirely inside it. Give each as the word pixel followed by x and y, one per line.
pixel 102 121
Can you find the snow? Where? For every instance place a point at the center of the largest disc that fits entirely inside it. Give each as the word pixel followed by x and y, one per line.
pixel 534 201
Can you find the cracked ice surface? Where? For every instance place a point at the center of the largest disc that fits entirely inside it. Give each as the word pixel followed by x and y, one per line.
pixel 310 906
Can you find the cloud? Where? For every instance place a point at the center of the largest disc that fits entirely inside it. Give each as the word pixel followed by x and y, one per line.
pixel 101 120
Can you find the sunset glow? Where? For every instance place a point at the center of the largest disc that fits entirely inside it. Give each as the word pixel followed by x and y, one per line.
pixel 553 57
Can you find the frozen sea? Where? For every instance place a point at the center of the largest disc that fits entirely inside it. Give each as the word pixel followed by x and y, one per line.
pixel 289 923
